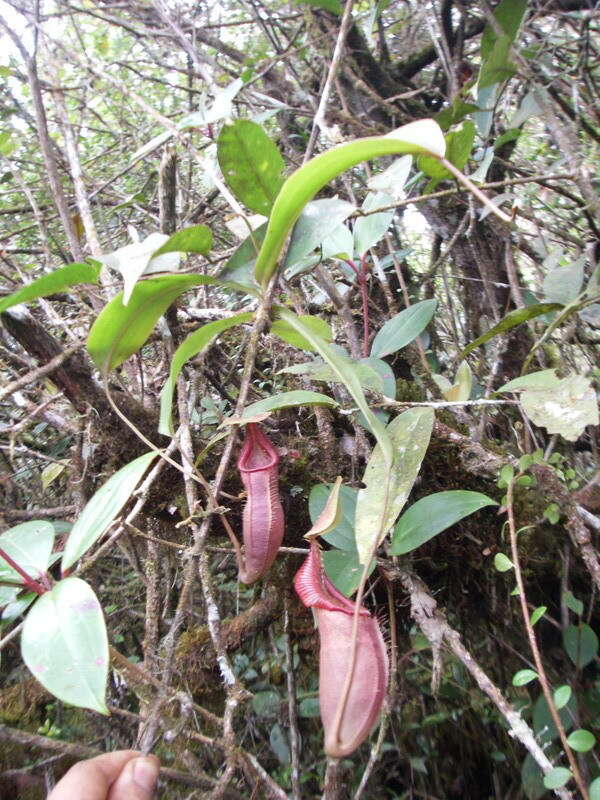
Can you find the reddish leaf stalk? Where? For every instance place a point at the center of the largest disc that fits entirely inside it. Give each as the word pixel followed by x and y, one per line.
pixel 28 581
pixel 263 514
pixel 370 675
pixel 361 275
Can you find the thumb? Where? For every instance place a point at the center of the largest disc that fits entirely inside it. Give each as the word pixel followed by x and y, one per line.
pixel 137 781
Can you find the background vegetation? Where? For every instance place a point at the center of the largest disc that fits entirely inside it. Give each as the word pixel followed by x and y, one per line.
pixel 113 118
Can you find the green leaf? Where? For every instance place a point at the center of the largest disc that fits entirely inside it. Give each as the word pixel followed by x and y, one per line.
pixel 119 331
pixel 573 603
pixel 511 320
pixel 56 281
pixel 557 777
pixel 251 164
pixel 544 379
pixel 240 266
pixel 581 644
pixel 432 515
pixel 279 745
pixel 537 614
pixel 508 15
pixel 423 136
pixel 581 740
pixel 266 704
pixel 563 284
pixel 543 724
pixel 392 180
pixel 562 696
pixel 29 545
pixel 342 536
pixel 309 707
pixel 314 225
pixel 532 779
pixel 383 369
pixel 461 388
pixel 344 569
pixel 386 490
pixel 497 67
pixel 334 6
pixel 566 409
pixel 299 397
pixel 369 230
pixel 102 508
pixel 64 644
pixel 291 336
pixel 346 375
pixel 403 328
pixel 194 239
pixel 459 143
pixel 594 789
pixel 524 676
pixel 330 516
pixel 502 562
pixel 196 342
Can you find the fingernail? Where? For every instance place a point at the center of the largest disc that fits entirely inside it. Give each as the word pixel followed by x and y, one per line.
pixel 145 772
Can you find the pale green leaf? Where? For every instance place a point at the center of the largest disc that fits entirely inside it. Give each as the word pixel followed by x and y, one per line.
pixel 523 677
pixel 65 646
pixel 562 696
pixel 342 536
pixel 331 514
pixel 387 489
pixel 581 644
pixel 433 514
pixel 502 562
pixel 403 328
pixel 581 740
pixel 557 777
pixel 566 409
pixel 537 614
pixel 291 336
pixel 298 397
pixel 196 342
pixel 103 507
pixel 371 229
pixel 29 545
pixel 314 225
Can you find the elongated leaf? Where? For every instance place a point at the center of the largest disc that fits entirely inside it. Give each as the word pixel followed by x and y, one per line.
pixel 193 344
pixel 299 397
pixel 346 375
pixel 56 281
pixel 459 143
pixel 511 320
pixel 195 239
pixel 29 545
pixel 251 164
pixel 119 331
pixel 423 136
pixel 289 335
pixel 392 180
pixel 64 644
pixel 386 490
pixel 495 50
pixel 342 536
pixel 102 509
pixel 403 328
pixel 344 569
pixel 432 515
pixel 369 230
pixel 330 516
pixel 314 224
pixel 544 379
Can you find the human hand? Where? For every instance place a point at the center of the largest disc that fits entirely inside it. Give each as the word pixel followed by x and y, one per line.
pixel 122 775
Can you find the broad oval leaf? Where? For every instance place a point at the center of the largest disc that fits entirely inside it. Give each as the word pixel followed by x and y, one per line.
pixel 331 514
pixel 581 740
pixel 502 562
pixel 314 225
pixel 342 536
pixel 298 397
pixel 557 777
pixel 402 328
pixel 119 331
pixel 193 344
pixel 65 646
pixel 387 489
pixel 537 614
pixel 562 696
pixel 423 136
pixel 581 644
pixel 432 515
pixel 344 569
pixel 510 321
pixel 594 789
pixel 566 408
pixel 346 374
pixel 543 724
pixel 102 508
pixel 251 164
pixel 563 284
pixel 524 676
pixel 29 545
pixel 56 281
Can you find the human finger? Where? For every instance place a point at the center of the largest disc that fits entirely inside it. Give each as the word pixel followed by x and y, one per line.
pixel 137 781
pixel 91 779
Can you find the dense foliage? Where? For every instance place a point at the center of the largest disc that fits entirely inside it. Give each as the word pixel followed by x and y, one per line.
pixel 371 229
